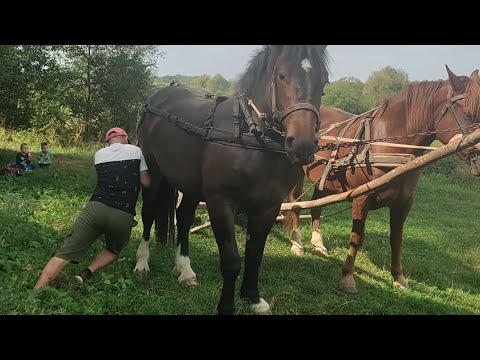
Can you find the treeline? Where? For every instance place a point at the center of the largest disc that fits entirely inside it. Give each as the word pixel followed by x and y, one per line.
pixel 74 91
pixel 216 84
pixel 349 94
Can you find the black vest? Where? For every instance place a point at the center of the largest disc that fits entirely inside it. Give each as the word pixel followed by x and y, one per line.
pixel 118 184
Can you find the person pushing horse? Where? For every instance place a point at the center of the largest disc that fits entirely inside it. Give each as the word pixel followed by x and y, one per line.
pixel 121 169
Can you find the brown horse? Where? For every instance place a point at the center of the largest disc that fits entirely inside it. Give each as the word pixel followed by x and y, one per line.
pixel 428 108
pixel 235 159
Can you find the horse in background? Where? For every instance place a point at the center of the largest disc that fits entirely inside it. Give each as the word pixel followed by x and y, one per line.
pixel 236 160
pixel 429 108
pixel 329 115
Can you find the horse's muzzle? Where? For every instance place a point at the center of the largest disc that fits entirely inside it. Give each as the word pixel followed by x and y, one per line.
pixel 301 153
pixel 301 161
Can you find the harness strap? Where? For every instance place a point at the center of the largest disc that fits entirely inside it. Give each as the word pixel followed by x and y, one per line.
pixel 449 106
pixel 211 134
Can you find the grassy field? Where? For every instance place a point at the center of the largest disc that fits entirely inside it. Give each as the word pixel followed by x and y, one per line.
pixel 441 252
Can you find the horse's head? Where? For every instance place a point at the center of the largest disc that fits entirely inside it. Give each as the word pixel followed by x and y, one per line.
pixel 461 110
pixel 286 82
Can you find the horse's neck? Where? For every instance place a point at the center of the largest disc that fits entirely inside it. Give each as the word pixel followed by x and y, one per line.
pixel 397 123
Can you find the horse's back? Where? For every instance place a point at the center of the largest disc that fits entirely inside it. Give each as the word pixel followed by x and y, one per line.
pixel 169 150
pixel 330 115
pixel 189 104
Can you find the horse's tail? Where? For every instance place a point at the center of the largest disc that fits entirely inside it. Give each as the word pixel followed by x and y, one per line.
pixel 161 200
pixel 291 215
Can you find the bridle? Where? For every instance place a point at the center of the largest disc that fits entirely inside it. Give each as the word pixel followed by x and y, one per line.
pixel 472 155
pixel 450 106
pixel 278 116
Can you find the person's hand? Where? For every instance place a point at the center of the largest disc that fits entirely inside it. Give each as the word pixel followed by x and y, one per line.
pixel 29 156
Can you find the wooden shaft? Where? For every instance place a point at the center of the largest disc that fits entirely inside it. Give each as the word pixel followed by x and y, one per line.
pixel 422 161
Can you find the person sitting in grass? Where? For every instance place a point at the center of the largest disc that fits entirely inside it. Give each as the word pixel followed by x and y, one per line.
pixel 45 157
pixel 23 159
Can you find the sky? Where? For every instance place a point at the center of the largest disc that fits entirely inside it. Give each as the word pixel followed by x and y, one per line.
pixel 420 62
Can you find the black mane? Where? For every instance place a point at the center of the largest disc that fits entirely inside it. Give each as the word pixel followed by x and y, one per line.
pixel 263 61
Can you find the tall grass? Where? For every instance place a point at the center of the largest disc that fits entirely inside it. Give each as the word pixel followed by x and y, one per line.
pixel 440 257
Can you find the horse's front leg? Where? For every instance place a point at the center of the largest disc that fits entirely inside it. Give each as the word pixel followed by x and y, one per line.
pixel 359 216
pixel 222 217
pixel 292 219
pixel 317 238
pixel 259 225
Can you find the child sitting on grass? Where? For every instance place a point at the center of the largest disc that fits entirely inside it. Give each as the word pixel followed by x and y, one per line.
pixel 45 157
pixel 24 158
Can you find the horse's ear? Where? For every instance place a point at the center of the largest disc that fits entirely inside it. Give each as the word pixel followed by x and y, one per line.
pixel 457 85
pixel 474 77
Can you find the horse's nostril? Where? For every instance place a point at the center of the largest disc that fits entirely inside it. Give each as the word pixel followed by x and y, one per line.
pixel 289 141
pixel 315 143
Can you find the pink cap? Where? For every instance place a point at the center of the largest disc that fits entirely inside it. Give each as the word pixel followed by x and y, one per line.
pixel 113 132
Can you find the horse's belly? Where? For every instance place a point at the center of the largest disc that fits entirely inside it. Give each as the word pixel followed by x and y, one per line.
pixel 178 156
pixel 250 177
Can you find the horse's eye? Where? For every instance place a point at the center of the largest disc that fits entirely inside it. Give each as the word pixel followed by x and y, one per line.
pixel 281 77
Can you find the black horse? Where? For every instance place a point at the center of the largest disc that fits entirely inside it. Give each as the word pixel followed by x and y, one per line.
pixel 237 160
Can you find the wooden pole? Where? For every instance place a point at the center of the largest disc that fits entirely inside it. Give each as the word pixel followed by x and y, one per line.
pixel 208 223
pixel 422 161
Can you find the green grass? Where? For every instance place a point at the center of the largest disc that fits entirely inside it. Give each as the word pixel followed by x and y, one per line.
pixel 441 252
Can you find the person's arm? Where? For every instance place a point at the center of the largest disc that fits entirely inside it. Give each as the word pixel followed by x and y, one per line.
pixel 145 179
pixel 18 159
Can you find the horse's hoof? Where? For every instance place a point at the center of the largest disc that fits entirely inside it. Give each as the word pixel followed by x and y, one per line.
pixel 347 288
pixel 319 250
pixel 175 271
pixel 190 281
pixel 400 284
pixel 262 308
pixel 141 271
pixel 297 249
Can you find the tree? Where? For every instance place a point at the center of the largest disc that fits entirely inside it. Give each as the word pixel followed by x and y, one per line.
pixel 384 84
pixel 199 82
pixel 13 89
pixel 346 94
pixel 107 85
pixel 234 86
pixel 217 85
pixel 27 75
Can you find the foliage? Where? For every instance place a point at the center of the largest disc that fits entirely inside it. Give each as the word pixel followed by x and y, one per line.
pixel 217 85
pixel 76 91
pixel 383 84
pixel 345 94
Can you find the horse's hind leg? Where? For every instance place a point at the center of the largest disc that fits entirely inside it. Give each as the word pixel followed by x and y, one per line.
pixel 292 219
pixel 185 215
pixel 398 216
pixel 148 217
pixel 359 216
pixel 259 226
pixel 317 239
